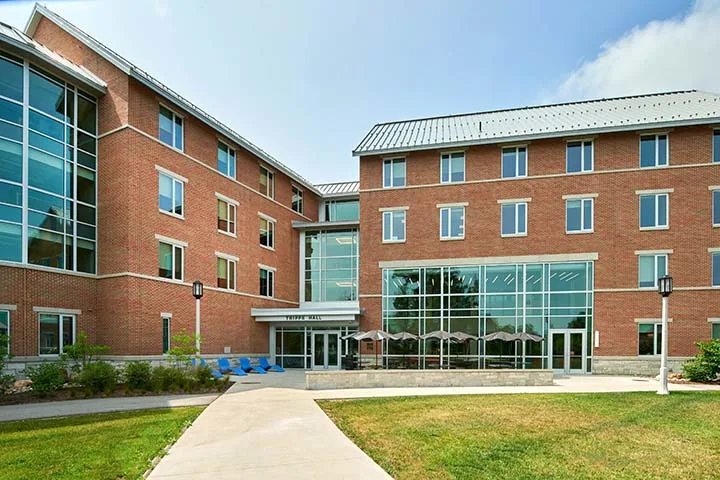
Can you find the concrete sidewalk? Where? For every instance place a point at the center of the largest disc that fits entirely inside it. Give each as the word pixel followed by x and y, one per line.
pixel 100 405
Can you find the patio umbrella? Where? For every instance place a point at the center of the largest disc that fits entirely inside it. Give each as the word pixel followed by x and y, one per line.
pixel 353 336
pixel 404 336
pixel 375 336
pixel 440 335
pixel 504 336
pixel 463 337
pixel 522 336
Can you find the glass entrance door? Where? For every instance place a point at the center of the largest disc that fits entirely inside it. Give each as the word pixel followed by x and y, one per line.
pixel 567 351
pixel 326 350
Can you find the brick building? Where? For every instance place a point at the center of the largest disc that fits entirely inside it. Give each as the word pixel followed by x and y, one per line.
pixel 116 193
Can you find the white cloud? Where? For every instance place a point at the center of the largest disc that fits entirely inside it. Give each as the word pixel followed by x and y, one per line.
pixel 676 54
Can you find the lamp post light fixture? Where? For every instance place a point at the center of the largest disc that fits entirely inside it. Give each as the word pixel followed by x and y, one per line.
pixel 665 288
pixel 197 291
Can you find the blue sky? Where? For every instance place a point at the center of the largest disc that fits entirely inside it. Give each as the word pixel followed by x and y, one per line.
pixel 306 80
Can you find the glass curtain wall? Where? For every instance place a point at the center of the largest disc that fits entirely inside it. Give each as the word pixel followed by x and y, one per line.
pixel 331 265
pixel 480 300
pixel 293 345
pixel 342 210
pixel 60 187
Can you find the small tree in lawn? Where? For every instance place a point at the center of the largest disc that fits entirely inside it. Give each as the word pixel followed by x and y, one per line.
pixel 6 379
pixel 82 352
pixel 183 348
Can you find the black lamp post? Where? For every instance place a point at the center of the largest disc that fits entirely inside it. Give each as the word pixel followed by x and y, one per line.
pixel 665 288
pixel 197 291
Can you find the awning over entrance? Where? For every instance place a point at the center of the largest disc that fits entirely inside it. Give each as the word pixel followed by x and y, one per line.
pixel 308 315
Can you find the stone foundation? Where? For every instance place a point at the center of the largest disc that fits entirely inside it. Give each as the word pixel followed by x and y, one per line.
pixel 641 366
pixel 341 379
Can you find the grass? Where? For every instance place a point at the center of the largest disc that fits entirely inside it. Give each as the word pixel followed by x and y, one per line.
pixel 558 436
pixel 101 446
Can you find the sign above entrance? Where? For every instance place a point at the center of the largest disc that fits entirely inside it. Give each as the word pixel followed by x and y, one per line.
pixel 300 315
pixel 296 318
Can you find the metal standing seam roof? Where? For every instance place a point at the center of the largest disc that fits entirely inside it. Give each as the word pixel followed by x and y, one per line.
pixel 145 78
pixel 14 37
pixel 339 188
pixel 592 116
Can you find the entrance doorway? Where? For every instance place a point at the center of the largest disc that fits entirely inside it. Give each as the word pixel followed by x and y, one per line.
pixel 326 350
pixel 567 350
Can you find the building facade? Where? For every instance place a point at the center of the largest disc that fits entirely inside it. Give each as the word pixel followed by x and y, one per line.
pixel 116 193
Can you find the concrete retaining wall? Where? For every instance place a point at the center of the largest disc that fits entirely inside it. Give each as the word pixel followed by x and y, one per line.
pixel 340 379
pixel 648 366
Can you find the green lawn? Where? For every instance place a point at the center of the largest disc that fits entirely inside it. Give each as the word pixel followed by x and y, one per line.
pixel 102 446
pixel 558 436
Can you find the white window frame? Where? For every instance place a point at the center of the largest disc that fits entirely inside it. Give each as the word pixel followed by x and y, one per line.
pixel 61 344
pixel 517 160
pixel 448 216
pixel 174 178
pixel 388 182
pixel 270 186
pixel 716 134
pixel 270 278
pixel 657 328
pixel 657 148
pixel 390 237
pixel 166 317
pixel 582 156
pixel 713 253
pixel 299 192
pixel 657 225
pixel 655 257
pixel 7 311
pixel 582 215
pixel 271 224
pixel 229 202
pixel 714 192
pixel 517 217
pixel 713 322
pixel 175 244
pixel 449 157
pixel 231 154
pixel 182 123
pixel 229 259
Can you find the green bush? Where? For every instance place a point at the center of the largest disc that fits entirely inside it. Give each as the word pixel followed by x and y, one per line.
pixel 81 353
pixel 47 377
pixel 98 377
pixel 204 377
pixel 6 381
pixel 183 347
pixel 168 379
pixel 705 366
pixel 138 376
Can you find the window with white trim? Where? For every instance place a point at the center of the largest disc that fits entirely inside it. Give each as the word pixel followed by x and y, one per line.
pixel 650 268
pixel 267 182
pixel 452 223
pixel 171 128
pixel 394 226
pixel 226 273
pixel 171 196
pixel 649 338
pixel 4 333
pixel 297 199
pixel 654 211
pixel 226 160
pixel 393 172
pixel 166 319
pixel 716 269
pixel 267 232
pixel 579 157
pixel 514 162
pixel 716 146
pixel 716 208
pixel 267 282
pixel 55 332
pixel 452 167
pixel 653 151
pixel 513 219
pixel 579 215
pixel 715 330
pixel 170 261
pixel 226 216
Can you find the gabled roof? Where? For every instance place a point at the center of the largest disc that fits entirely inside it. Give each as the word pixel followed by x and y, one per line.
pixel 17 42
pixel 658 110
pixel 339 189
pixel 145 78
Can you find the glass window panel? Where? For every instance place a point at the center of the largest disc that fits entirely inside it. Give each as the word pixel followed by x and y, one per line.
pixel 46 125
pixel 45 248
pixel 45 203
pixel 521 218
pixel 10 242
pixel 568 277
pixel 178 133
pixel 165 193
pixel 444 169
pixel 86 214
pixel 68 332
pixel 457 221
pixel 432 281
pixel 87 115
pixel 86 142
pixel 387 173
pixel 47 222
pixel 45 171
pixel 509 163
pixel 46 144
pixel 573 215
pixel 86 186
pixel 10 131
pixel 587 214
pixel 166 126
pixel 10 161
pixel 574 157
pixel 522 162
pixel 533 278
pixel 403 282
pixel 86 160
pixel 647 210
pixel 47 96
pixel 11 80
pixel 12 112
pixel 85 256
pixel 398 226
pixel 716 331
pixel 716 269
pixel 662 150
pixel 716 207
pixel 178 264
pixel 11 194
pixel 588 156
pixel 165 252
pixel 716 146
pixel 457 167
pixel 662 206
pixel 178 198
pixel 647 151
pixel 49 334
pixel 646 339
pixel 500 279
pixel 464 280
pixel 86 231
pixel 398 173
pixel 646 271
pixel 563 322
pixel 222 158
pixel 508 219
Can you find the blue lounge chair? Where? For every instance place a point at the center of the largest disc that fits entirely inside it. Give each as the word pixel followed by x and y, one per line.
pixel 213 372
pixel 265 365
pixel 245 365
pixel 225 367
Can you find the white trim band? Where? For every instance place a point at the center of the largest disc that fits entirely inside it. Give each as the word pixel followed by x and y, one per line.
pixel 451 262
pixel 4 306
pixel 714 249
pixel 713 320
pixel 229 200
pixel 451 205
pixel 165 315
pixel 651 320
pixel 667 251
pixel 266 217
pixel 514 200
pixel 392 209
pixel 658 190
pixel 266 267
pixel 61 311
pixel 165 239
pixel 714 187
pixel 171 174
pixel 580 196
pixel 226 256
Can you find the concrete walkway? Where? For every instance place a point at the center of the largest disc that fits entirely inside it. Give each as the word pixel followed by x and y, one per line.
pixel 269 427
pixel 100 405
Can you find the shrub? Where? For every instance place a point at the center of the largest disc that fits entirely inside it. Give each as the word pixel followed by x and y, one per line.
pixel 98 377
pixel 82 352
pixel 6 381
pixel 705 366
pixel 47 377
pixel 183 348
pixel 138 376
pixel 203 376
pixel 167 379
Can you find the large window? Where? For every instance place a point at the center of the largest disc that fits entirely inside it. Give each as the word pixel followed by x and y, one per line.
pixel 513 219
pixel 267 182
pixel 579 157
pixel 267 282
pixel 716 146
pixel 394 226
pixel 653 151
pixel 226 160
pixel 166 333
pixel 171 261
pixel 394 172
pixel 716 208
pixel 171 196
pixel 650 268
pixel 226 216
pixel 650 338
pixel 55 333
pixel 452 223
pixel 226 266
pixel 716 269
pixel 452 167
pixel 297 199
pixel 331 265
pixel 579 215
pixel 514 162
pixel 171 128
pixel 4 330
pixel 715 331
pixel 342 210
pixel 654 211
pixel 267 232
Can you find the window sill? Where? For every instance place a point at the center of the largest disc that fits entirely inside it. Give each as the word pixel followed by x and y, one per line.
pixel 227 233
pixel 584 172
pixel 272 249
pixel 393 241
pixel 514 178
pixel 265 296
pixel 579 232
pixel 170 214
pixel 655 166
pixel 171 146
pixel 450 239
pixel 393 186
pixel 513 235
pixel 650 229
pixel 452 183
